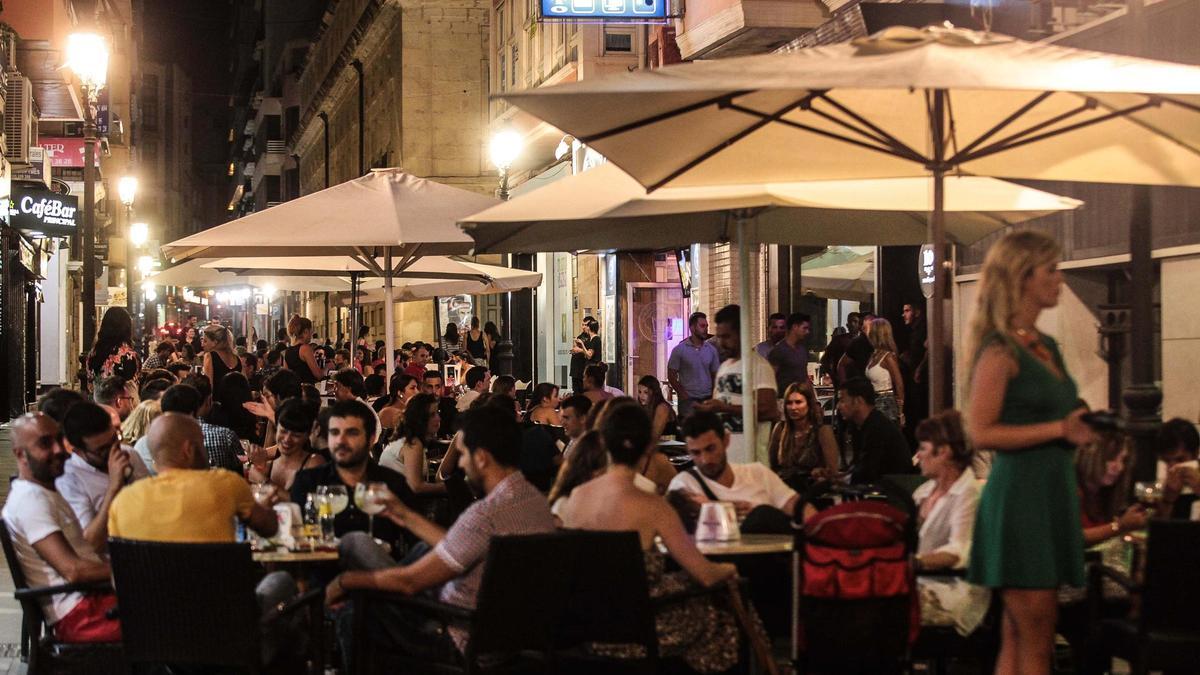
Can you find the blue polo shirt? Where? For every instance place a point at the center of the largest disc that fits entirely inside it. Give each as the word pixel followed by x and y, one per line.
pixel 696 367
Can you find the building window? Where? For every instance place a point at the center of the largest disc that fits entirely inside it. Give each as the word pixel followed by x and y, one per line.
pixel 516 57
pixel 618 42
pixel 503 74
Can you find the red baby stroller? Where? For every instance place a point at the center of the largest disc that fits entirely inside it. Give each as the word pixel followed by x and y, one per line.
pixel 857 610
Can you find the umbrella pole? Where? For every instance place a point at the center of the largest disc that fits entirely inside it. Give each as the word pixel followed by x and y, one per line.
pixel 389 329
pixel 749 394
pixel 937 237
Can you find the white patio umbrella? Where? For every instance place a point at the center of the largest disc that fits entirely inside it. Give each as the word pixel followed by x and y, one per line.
pixel 426 278
pixel 847 274
pixel 386 219
pixel 902 102
pixel 194 274
pixel 604 208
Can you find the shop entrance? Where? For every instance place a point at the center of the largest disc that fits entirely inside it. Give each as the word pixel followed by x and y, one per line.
pixel 657 321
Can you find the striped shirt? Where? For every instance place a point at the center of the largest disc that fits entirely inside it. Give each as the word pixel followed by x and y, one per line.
pixel 514 506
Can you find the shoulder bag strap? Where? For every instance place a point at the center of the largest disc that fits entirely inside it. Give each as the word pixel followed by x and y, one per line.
pixel 703 485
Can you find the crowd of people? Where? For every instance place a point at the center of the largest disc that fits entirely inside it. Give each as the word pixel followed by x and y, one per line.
pixel 170 449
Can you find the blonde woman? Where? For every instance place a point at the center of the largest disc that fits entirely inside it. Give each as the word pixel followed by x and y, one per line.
pixel 1024 406
pixel 883 370
pixel 138 423
pixel 220 359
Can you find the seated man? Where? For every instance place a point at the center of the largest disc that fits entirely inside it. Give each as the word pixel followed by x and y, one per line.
pixel 1177 449
pixel 115 391
pixel 351 425
pixel 431 383
pixel 98 469
pixel 714 478
pixel 188 502
pixel 220 444
pixel 477 380
pixel 349 386
pixel 47 537
pixel 879 445
pixel 456 564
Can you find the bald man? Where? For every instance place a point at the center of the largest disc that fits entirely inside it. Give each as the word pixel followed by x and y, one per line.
pixel 187 501
pixel 48 539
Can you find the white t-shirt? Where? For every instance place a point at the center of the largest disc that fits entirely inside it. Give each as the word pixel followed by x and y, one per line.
pixel 727 388
pixel 753 483
pixel 464 402
pixel 391 457
pixel 33 513
pixel 84 486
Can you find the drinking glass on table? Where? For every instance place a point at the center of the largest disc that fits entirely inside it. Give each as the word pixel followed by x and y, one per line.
pixel 1148 494
pixel 338 496
pixel 325 517
pixel 262 493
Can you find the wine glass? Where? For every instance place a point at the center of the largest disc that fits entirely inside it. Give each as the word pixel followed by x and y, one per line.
pixel 374 501
pixel 1148 494
pixel 338 497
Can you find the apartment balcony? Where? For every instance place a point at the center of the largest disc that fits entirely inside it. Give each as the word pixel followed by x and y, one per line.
pixel 724 28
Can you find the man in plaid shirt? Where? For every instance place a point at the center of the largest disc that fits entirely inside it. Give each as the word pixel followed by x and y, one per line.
pixel 220 444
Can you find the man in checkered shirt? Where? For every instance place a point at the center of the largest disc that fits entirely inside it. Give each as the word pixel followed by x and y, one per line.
pixel 220 444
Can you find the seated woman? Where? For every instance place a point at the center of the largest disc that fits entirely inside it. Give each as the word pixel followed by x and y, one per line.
pixel 703 635
pixel 408 454
pixel 401 391
pixel 593 383
pixel 1104 469
pixel 543 405
pixel 588 459
pixel 662 416
pixel 654 471
pixel 802 445
pixel 946 505
pixel 294 422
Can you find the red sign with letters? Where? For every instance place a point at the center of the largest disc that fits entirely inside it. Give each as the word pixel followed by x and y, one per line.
pixel 66 152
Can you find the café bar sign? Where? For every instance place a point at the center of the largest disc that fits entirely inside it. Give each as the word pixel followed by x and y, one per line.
pixel 40 210
pixel 624 11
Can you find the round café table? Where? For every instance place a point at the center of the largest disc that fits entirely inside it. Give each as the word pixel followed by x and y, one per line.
pixel 300 557
pixel 748 544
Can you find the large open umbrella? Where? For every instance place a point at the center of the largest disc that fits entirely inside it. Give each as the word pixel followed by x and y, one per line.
pixel 841 272
pixel 194 274
pixel 427 277
pixel 902 102
pixel 605 209
pixel 386 219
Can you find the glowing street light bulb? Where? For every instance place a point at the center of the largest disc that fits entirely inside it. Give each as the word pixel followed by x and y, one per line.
pixel 504 148
pixel 145 264
pixel 87 57
pixel 269 290
pixel 127 189
pixel 139 233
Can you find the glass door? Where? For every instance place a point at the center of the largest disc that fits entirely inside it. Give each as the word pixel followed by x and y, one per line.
pixel 656 321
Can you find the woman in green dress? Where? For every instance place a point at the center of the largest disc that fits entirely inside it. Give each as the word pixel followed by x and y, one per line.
pixel 1024 406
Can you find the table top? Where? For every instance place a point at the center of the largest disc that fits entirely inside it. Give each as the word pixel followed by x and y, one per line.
pixel 283 555
pixel 748 544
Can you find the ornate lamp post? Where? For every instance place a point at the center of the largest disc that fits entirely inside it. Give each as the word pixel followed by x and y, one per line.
pixel 505 147
pixel 87 57
pixel 127 190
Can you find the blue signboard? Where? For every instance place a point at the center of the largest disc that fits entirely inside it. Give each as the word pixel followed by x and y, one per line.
pixel 605 9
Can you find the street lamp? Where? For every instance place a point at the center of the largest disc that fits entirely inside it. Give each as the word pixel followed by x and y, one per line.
pixel 87 57
pixel 126 189
pixel 138 234
pixel 149 293
pixel 145 264
pixel 504 149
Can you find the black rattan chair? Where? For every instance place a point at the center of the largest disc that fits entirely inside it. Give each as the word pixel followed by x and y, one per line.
pixel 1165 635
pixel 520 598
pixel 193 605
pixel 41 652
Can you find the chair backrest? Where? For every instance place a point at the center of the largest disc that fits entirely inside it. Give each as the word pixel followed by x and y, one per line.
pixel 609 599
pixel 1172 594
pixel 10 557
pixel 186 603
pixel 520 598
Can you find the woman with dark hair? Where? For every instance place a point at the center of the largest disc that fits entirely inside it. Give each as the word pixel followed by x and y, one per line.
pixel 401 391
pixel 363 359
pixel 703 635
pixel 230 411
pixel 492 335
pixel 219 355
pixel 451 339
pixel 363 332
pixel 476 343
pixel 543 405
pixel 593 382
pixel 292 452
pixel 801 444
pixel 407 455
pixel 1104 469
pixel 650 396
pixel 299 357
pixel 587 460
pixel 113 352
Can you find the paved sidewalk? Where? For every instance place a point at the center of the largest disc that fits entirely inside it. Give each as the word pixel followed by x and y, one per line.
pixel 10 609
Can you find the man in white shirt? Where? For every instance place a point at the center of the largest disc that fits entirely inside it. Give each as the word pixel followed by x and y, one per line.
pixel 727 397
pixel 478 379
pixel 98 468
pixel 47 537
pixel 747 486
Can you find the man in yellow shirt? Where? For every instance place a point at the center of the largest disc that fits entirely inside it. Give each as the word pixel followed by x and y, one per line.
pixel 188 502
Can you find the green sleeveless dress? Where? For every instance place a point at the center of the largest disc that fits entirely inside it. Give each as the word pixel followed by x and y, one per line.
pixel 1027 528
